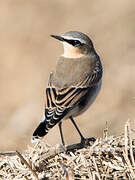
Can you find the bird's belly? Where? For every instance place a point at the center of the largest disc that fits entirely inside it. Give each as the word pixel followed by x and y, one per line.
pixel 85 102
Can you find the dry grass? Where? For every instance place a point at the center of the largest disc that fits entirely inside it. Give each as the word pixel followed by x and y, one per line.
pixel 108 158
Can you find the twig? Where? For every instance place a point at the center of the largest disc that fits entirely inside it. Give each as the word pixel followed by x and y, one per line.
pixel 125 153
pixel 12 153
pixel 96 167
pixel 53 152
pixel 26 163
pixel 130 144
pixel 59 149
pixel 105 133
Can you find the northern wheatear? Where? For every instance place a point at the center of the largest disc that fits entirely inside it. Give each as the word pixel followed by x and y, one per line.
pixel 73 85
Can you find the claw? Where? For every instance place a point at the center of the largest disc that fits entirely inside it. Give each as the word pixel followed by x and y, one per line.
pixel 85 142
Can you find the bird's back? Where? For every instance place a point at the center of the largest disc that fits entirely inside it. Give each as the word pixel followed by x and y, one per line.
pixel 73 71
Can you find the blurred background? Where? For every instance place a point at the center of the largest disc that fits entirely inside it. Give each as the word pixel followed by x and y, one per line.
pixel 28 54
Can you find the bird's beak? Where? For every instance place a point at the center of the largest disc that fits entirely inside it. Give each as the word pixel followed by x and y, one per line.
pixel 60 38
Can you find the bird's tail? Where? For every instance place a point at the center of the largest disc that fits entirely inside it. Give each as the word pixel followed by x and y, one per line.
pixel 42 130
pixel 39 132
pixel 50 120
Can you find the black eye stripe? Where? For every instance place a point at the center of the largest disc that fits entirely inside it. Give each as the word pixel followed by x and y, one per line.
pixel 74 42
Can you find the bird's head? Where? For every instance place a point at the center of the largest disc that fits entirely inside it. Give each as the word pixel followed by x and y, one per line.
pixel 76 44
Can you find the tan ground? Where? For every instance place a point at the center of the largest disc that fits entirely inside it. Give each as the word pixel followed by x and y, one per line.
pixel 27 55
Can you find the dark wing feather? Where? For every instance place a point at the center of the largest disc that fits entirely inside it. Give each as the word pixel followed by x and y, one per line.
pixel 70 96
pixel 59 102
pixel 53 112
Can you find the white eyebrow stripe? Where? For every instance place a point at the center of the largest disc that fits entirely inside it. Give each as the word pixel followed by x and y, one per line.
pixel 72 38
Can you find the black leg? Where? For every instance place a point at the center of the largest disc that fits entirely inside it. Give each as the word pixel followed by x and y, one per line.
pixel 84 141
pixel 61 134
pixel 82 137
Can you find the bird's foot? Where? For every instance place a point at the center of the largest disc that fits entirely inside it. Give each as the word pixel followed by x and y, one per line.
pixel 85 142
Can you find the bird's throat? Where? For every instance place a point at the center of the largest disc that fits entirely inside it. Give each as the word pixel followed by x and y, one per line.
pixel 71 52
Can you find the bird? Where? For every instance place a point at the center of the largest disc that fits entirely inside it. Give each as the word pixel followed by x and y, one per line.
pixel 73 84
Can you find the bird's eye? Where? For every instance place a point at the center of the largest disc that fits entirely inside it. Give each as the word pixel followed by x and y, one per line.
pixel 76 43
